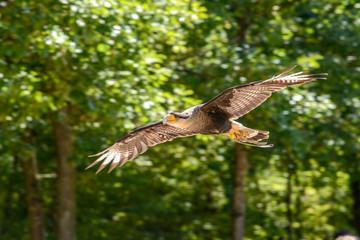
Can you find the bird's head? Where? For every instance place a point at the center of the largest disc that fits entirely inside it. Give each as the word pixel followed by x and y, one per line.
pixel 176 119
pixel 171 118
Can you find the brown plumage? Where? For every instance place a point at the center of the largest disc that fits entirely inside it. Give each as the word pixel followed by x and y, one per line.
pixel 214 117
pixel 137 142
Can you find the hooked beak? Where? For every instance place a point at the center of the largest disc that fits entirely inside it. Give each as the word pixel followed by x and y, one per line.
pixel 165 120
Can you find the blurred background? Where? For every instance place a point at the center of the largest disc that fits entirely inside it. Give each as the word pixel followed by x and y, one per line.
pixel 76 75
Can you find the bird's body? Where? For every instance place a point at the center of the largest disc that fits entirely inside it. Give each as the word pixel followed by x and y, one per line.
pixel 214 117
pixel 204 122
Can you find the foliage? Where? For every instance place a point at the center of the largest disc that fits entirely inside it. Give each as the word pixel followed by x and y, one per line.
pixel 122 64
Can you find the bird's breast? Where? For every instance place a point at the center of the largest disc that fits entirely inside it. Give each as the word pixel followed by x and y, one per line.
pixel 209 123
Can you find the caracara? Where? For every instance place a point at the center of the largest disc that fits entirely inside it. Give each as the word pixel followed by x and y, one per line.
pixel 212 118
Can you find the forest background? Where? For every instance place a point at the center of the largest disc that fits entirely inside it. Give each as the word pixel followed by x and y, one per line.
pixel 76 75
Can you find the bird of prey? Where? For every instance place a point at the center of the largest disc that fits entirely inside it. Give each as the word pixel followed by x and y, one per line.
pixel 212 118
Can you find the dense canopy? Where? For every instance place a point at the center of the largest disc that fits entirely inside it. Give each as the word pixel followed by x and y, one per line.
pixel 75 75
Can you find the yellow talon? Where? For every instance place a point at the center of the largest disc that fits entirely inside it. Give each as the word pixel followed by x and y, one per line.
pixel 238 135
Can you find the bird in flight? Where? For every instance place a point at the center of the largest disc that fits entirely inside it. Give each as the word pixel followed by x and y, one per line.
pixel 212 118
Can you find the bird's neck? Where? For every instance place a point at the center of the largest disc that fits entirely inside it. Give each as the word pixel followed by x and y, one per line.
pixel 182 123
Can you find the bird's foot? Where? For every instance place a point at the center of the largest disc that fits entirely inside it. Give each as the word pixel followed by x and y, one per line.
pixel 238 135
pixel 231 135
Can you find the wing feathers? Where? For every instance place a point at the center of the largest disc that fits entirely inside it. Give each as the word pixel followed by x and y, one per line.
pixel 99 159
pixel 134 151
pixel 137 142
pixel 238 101
pixel 286 71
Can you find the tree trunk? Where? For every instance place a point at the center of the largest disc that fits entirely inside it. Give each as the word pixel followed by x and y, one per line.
pixel 33 197
pixel 238 204
pixel 288 200
pixel 355 188
pixel 65 187
pixel 298 232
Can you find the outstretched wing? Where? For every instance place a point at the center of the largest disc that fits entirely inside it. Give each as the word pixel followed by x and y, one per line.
pixel 137 142
pixel 238 101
